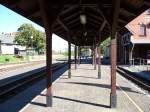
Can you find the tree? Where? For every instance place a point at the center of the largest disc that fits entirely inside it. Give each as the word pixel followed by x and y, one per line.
pixel 104 44
pixel 24 34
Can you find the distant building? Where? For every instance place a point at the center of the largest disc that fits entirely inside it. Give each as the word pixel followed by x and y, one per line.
pixel 134 40
pixel 7 45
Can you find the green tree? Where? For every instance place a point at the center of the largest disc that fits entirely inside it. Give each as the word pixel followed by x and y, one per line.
pixel 24 34
pixel 104 44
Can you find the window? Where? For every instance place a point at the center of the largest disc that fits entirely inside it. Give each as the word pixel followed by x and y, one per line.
pixel 142 30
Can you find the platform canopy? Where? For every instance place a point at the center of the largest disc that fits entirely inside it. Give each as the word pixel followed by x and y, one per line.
pixel 96 15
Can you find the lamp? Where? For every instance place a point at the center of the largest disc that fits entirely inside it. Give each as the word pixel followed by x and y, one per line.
pixel 31 37
pixel 83 19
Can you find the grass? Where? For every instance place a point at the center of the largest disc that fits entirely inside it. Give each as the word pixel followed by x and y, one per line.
pixel 8 59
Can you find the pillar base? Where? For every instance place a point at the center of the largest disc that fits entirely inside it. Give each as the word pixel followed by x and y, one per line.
pixel 99 75
pixel 49 101
pixel 113 101
pixel 75 66
pixel 69 73
pixel 94 67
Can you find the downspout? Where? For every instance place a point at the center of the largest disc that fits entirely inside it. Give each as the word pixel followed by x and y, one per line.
pixel 131 55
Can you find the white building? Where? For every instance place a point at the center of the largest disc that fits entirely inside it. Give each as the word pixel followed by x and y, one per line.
pixel 7 45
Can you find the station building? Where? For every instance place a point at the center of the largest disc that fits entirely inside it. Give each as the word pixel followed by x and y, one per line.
pixel 7 44
pixel 134 41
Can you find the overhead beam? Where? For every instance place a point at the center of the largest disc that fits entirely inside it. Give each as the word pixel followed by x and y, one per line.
pixel 63 25
pixel 102 26
pixel 72 7
pixel 73 21
pixel 147 2
pixel 122 21
pixel 95 17
pixel 128 12
pixel 33 11
pixel 72 16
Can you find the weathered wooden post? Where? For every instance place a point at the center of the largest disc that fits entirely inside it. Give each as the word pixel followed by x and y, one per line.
pixel 113 96
pixel 75 56
pixel 99 61
pixel 69 58
pixel 48 17
pixel 94 53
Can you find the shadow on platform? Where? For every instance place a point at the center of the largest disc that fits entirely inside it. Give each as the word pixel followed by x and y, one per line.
pixel 74 100
pixel 102 86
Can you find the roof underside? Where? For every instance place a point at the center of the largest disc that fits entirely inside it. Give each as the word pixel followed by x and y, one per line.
pixel 96 11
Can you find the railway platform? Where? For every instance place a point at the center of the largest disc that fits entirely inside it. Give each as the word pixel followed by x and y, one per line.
pixel 84 92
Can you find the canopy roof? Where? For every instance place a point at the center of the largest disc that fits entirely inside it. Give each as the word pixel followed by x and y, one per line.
pixel 98 13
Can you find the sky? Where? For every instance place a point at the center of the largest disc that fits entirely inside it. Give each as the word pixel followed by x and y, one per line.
pixel 10 22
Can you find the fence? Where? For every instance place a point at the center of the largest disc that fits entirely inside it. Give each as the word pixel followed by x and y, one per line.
pixel 140 64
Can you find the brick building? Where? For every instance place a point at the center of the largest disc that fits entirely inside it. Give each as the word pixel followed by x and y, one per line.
pixel 134 41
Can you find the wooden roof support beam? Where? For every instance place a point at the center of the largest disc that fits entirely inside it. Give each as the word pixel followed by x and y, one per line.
pixel 72 16
pixel 94 20
pixel 73 21
pixel 72 7
pixel 74 25
pixel 115 16
pixel 102 26
pixel 63 25
pixel 147 2
pixel 33 11
pixel 94 16
pixel 122 21
pixel 100 30
pixel 127 11
pixel 10 2
pixel 93 25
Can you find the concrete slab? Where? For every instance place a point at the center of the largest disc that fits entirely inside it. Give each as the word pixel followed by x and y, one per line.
pixel 85 93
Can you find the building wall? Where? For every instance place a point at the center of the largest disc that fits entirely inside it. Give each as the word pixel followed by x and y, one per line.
pixel 134 26
pixel 7 49
pixel 140 44
pixel 7 45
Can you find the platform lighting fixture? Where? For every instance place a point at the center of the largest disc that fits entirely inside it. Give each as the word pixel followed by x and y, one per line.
pixel 31 41
pixel 85 33
pixel 83 19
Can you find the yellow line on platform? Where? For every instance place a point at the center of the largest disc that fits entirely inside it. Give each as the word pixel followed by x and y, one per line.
pixel 130 99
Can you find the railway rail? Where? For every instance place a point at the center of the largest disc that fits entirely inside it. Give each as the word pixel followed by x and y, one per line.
pixel 12 88
pixel 20 65
pixel 141 82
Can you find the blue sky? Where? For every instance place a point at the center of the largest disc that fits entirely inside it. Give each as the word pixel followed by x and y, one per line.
pixel 10 22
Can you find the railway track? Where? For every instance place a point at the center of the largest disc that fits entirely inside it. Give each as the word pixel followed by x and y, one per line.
pixel 141 82
pixel 17 66
pixel 14 87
